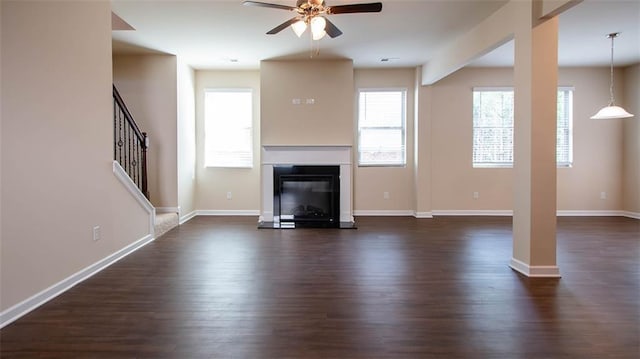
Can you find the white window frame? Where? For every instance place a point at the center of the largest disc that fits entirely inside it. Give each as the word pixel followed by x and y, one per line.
pixel 569 131
pixel 402 128
pixel 223 157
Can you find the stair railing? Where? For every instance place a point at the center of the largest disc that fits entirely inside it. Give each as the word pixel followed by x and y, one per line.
pixel 130 144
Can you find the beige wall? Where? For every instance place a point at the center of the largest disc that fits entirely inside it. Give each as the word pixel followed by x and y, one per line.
pixel 597 150
pixel 631 140
pixel 327 122
pixel 214 183
pixel 148 85
pixel 370 183
pixel 597 145
pixel 57 147
pixel 445 123
pixel 186 139
pixel 454 179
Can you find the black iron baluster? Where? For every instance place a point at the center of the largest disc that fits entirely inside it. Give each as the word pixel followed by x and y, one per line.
pixel 130 144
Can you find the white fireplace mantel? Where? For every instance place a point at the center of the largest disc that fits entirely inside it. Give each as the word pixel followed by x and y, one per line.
pixel 307 156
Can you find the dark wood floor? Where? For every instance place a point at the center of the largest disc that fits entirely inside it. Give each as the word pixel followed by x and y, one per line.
pixel 394 288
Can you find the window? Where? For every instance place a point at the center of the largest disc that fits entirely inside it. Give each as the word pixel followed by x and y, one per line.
pixel 564 148
pixel 228 116
pixel 493 127
pixel 381 127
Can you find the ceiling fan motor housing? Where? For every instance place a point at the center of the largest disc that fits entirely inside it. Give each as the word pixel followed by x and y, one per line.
pixel 309 3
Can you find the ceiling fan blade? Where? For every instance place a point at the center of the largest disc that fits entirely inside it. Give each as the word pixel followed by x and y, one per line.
pixel 282 26
pixel 266 4
pixel 332 30
pixel 355 8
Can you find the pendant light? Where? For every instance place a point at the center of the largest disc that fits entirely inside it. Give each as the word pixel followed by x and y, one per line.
pixel 611 111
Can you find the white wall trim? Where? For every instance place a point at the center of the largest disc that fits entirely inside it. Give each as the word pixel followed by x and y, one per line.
pixel 15 312
pixel 535 271
pixel 124 178
pixel 222 212
pixel 184 219
pixel 423 214
pixel 560 213
pixel 588 213
pixel 167 209
pixel 481 212
pixel 390 213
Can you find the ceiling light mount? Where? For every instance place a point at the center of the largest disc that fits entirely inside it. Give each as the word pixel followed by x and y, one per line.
pixel 611 111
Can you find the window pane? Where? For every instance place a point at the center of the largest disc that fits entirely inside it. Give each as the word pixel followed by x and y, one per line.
pixel 381 127
pixel 564 149
pixel 492 128
pixel 381 109
pixel 228 128
pixel 381 146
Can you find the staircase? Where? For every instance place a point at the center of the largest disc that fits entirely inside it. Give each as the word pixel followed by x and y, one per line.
pixel 130 151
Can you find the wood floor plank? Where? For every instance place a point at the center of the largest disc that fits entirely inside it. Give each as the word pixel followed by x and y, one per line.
pixel 217 287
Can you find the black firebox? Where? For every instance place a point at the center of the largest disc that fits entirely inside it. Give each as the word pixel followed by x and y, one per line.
pixel 306 196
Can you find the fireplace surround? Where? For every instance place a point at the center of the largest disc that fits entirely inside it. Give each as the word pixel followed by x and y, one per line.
pixel 276 158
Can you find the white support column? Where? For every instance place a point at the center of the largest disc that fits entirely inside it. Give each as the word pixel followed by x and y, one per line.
pixel 534 220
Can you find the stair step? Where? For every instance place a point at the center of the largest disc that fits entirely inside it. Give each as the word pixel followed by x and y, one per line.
pixel 165 222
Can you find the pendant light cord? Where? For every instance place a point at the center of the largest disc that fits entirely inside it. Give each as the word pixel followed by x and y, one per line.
pixel 612 36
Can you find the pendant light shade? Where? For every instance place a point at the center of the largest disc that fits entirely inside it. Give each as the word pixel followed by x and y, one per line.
pixel 611 111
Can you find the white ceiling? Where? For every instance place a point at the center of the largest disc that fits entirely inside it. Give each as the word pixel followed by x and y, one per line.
pixel 209 34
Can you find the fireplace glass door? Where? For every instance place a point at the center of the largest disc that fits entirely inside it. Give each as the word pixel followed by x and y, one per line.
pixel 307 195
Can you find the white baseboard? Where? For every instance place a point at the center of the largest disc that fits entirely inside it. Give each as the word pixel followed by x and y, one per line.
pixel 397 213
pixel 560 213
pixel 589 213
pixel 15 312
pixel 187 217
pixel 535 271
pixel 222 212
pixel 481 212
pixel 423 214
pixel 634 215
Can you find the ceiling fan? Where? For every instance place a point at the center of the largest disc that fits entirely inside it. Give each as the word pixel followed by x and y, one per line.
pixel 311 13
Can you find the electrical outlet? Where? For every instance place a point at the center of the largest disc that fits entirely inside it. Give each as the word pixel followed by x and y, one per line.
pixel 385 195
pixel 476 195
pixel 97 235
pixel 603 195
pixel 229 195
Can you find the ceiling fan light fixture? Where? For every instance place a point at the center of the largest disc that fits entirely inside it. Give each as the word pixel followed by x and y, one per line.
pixel 299 27
pixel 318 25
pixel 611 111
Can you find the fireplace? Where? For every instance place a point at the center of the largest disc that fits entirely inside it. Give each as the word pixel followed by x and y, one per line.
pixel 311 168
pixel 306 196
